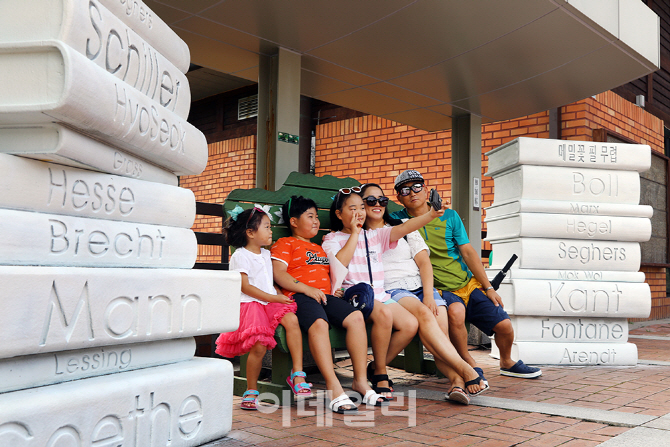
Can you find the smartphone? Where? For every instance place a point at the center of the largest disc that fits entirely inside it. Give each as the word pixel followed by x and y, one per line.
pixel 435 200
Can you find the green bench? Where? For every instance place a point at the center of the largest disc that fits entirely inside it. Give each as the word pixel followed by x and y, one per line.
pixel 321 190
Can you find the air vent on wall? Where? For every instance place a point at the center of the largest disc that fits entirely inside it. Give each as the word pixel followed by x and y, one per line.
pixel 247 107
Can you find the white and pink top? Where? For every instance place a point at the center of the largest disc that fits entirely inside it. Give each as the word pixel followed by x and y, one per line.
pixel 378 243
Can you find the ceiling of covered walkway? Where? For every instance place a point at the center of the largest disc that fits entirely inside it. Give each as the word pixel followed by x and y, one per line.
pixel 423 62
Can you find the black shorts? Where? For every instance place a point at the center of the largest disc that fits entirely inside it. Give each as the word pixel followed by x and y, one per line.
pixel 310 310
pixel 480 311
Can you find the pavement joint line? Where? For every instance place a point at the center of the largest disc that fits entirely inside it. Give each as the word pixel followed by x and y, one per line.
pixel 616 418
pixel 638 437
pixel 653 362
pixel 650 337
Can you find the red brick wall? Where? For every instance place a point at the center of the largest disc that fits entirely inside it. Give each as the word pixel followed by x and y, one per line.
pixel 372 149
pixel 231 165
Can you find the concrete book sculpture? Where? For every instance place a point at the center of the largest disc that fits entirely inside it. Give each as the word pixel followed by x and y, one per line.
pixel 89 28
pixel 570 211
pixel 125 409
pixel 48 81
pixel 53 240
pixel 59 144
pixel 19 373
pixel 569 226
pixel 50 188
pixel 96 351
pixel 84 24
pixel 576 154
pixel 567 184
pixel 514 206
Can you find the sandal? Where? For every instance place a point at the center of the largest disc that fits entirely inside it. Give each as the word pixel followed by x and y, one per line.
pixel 480 371
pixel 371 398
pixel 477 381
pixel 249 400
pixel 336 405
pixel 303 389
pixel 458 394
pixel 376 378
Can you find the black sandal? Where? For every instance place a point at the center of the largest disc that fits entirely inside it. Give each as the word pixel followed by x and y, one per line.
pixel 376 378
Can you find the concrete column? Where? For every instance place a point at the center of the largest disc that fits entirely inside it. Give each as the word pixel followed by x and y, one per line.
pixel 277 150
pixel 466 169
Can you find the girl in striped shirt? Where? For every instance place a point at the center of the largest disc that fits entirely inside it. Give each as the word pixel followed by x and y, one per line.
pixel 360 251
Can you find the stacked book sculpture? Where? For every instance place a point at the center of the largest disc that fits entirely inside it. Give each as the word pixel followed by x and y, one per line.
pixel 570 211
pixel 100 304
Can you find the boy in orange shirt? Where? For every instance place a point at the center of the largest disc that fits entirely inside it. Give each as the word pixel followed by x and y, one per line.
pixel 302 270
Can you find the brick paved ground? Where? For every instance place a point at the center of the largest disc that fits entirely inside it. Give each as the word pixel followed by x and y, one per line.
pixel 644 390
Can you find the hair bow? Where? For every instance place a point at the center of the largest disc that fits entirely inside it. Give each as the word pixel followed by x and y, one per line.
pixel 235 212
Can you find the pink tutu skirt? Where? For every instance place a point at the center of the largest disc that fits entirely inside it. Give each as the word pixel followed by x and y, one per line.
pixel 257 325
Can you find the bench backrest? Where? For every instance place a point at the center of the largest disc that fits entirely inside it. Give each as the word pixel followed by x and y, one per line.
pixel 320 189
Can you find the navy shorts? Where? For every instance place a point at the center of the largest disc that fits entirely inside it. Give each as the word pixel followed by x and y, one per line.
pixel 480 310
pixel 310 310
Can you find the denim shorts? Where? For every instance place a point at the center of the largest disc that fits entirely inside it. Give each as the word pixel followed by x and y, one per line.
pixel 398 294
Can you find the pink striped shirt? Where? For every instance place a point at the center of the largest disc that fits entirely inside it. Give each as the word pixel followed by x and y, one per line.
pixel 378 243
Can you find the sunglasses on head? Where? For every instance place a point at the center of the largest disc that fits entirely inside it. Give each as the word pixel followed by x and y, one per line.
pixel 372 201
pixel 416 188
pixel 347 191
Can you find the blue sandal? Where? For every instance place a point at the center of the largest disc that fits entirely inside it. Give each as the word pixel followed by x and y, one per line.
pixel 303 389
pixel 478 381
pixel 249 400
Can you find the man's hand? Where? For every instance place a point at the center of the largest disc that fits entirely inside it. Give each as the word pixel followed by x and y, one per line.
pixel 437 213
pixel 317 294
pixel 493 296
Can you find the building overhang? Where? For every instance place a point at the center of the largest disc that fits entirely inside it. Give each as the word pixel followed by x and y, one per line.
pixel 425 62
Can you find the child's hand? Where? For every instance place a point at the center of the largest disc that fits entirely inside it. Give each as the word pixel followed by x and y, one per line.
pixel 339 293
pixel 281 298
pixel 356 226
pixel 317 294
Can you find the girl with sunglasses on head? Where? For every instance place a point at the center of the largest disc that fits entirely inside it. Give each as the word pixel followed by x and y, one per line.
pixel 359 252
pixel 263 307
pixel 408 273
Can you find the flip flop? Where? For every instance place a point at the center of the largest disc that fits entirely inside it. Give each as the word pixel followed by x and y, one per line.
pixel 336 405
pixel 303 389
pixel 371 398
pixel 458 394
pixel 476 382
pixel 480 371
pixel 249 400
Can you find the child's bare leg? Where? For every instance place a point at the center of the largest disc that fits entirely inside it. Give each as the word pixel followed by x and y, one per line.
pixel 254 364
pixel 319 346
pixel 357 345
pixel 294 342
pixel 380 339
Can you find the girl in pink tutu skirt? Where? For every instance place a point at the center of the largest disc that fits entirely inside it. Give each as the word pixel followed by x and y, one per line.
pixel 262 307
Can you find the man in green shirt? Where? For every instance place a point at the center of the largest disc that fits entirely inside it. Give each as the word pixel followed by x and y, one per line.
pixel 460 275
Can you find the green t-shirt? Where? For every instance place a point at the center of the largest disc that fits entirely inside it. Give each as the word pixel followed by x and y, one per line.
pixel 443 235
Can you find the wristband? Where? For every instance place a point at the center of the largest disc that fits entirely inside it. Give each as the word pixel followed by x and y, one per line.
pixel 488 288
